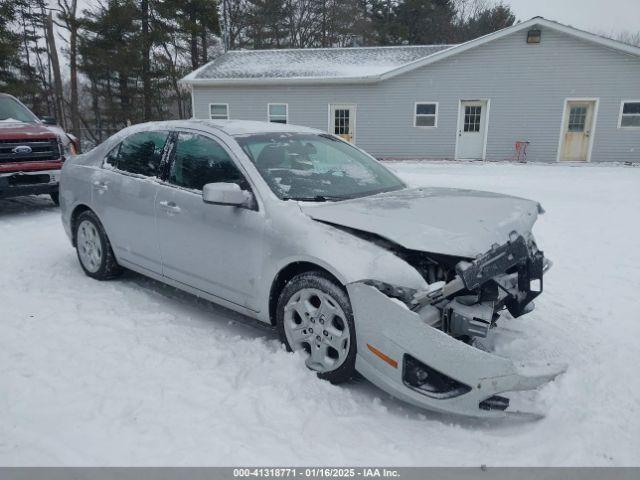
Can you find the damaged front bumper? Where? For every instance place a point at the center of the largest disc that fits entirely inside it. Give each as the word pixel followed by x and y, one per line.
pixel 390 337
pixel 414 354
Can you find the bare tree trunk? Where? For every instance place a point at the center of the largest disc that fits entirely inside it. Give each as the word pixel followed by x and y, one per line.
pixel 57 77
pixel 174 79
pixel 69 11
pixel 203 44
pixel 95 105
pixel 146 61
pixel 195 61
pixel 111 111
pixel 73 69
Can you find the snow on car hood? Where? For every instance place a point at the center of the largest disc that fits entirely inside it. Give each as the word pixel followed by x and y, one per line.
pixel 438 220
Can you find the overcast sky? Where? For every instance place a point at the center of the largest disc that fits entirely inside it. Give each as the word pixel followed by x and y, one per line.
pixel 600 16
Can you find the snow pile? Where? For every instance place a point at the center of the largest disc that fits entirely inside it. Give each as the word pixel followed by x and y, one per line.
pixel 131 372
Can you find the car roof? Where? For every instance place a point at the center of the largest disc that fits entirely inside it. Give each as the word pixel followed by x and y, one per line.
pixel 231 127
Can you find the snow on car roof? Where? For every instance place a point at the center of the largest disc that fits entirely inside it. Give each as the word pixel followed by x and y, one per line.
pixel 246 127
pixel 230 127
pixel 312 63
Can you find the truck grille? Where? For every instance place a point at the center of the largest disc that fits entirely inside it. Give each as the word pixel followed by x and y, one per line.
pixel 40 150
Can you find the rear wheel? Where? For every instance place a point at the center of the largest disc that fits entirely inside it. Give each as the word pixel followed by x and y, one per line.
pixel 94 249
pixel 314 315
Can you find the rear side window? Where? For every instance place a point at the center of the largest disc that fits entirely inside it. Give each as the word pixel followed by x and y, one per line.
pixel 140 153
pixel 200 160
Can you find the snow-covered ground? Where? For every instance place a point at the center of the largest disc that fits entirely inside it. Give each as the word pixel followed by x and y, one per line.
pixel 131 372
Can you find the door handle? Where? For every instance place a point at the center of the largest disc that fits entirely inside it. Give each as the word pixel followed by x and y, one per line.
pixel 100 186
pixel 170 207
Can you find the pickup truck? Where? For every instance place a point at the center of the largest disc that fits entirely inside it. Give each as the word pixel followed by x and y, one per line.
pixel 32 151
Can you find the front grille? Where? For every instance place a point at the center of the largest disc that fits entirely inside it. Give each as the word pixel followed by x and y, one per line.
pixel 41 150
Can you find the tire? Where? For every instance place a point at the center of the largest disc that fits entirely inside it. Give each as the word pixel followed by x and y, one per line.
pixel 55 198
pixel 314 314
pixel 96 258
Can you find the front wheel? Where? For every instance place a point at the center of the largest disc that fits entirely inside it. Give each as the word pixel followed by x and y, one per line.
pixel 55 198
pixel 314 315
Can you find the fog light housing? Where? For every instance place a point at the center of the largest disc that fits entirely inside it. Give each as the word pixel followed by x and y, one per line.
pixel 427 381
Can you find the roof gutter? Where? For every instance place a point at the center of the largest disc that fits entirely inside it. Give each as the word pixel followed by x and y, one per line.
pixel 239 82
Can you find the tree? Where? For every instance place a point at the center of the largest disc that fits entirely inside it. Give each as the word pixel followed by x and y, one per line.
pixel 146 60
pixel 10 61
pixel 55 68
pixel 69 19
pixel 483 19
pixel 385 24
pixel 424 22
pixel 111 56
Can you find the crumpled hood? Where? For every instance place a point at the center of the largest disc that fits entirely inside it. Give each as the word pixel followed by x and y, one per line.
pixel 448 221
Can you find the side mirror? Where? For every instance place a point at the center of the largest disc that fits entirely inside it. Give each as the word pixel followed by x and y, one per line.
pixel 49 121
pixel 226 194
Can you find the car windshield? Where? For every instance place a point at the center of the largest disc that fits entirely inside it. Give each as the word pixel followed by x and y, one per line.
pixel 12 110
pixel 316 167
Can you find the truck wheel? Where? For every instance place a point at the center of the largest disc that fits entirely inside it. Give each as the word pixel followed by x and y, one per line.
pixel 94 249
pixel 55 197
pixel 314 315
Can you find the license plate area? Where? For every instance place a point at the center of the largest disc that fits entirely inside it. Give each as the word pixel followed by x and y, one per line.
pixel 21 180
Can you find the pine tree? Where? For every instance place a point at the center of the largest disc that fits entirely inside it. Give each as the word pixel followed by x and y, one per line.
pixel 10 61
pixel 484 21
pixel 425 22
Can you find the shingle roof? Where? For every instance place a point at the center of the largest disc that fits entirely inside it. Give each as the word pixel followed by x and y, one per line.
pixel 311 63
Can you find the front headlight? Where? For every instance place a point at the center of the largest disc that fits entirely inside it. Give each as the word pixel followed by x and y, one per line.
pixel 68 150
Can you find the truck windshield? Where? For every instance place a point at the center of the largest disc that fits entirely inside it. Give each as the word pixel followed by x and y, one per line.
pixel 12 110
pixel 311 167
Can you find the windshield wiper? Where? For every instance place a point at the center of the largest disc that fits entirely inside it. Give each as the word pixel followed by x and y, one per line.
pixel 317 198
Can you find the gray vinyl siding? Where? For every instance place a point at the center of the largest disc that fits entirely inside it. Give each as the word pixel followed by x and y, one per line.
pixel 526 84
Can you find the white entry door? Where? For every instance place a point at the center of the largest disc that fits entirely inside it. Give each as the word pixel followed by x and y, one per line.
pixel 576 130
pixel 342 121
pixel 472 125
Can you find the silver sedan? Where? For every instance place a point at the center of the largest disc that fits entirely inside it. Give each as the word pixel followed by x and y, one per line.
pixel 304 231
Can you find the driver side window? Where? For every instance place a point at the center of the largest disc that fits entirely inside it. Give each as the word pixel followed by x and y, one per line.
pixel 199 160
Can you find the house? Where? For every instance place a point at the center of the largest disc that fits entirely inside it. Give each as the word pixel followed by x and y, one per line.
pixel 573 95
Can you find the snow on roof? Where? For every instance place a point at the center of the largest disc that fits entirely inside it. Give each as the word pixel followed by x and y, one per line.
pixel 312 63
pixel 361 64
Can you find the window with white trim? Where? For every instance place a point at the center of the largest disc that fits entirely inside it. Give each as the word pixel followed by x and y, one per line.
pixel 426 114
pixel 278 112
pixel 630 115
pixel 219 111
